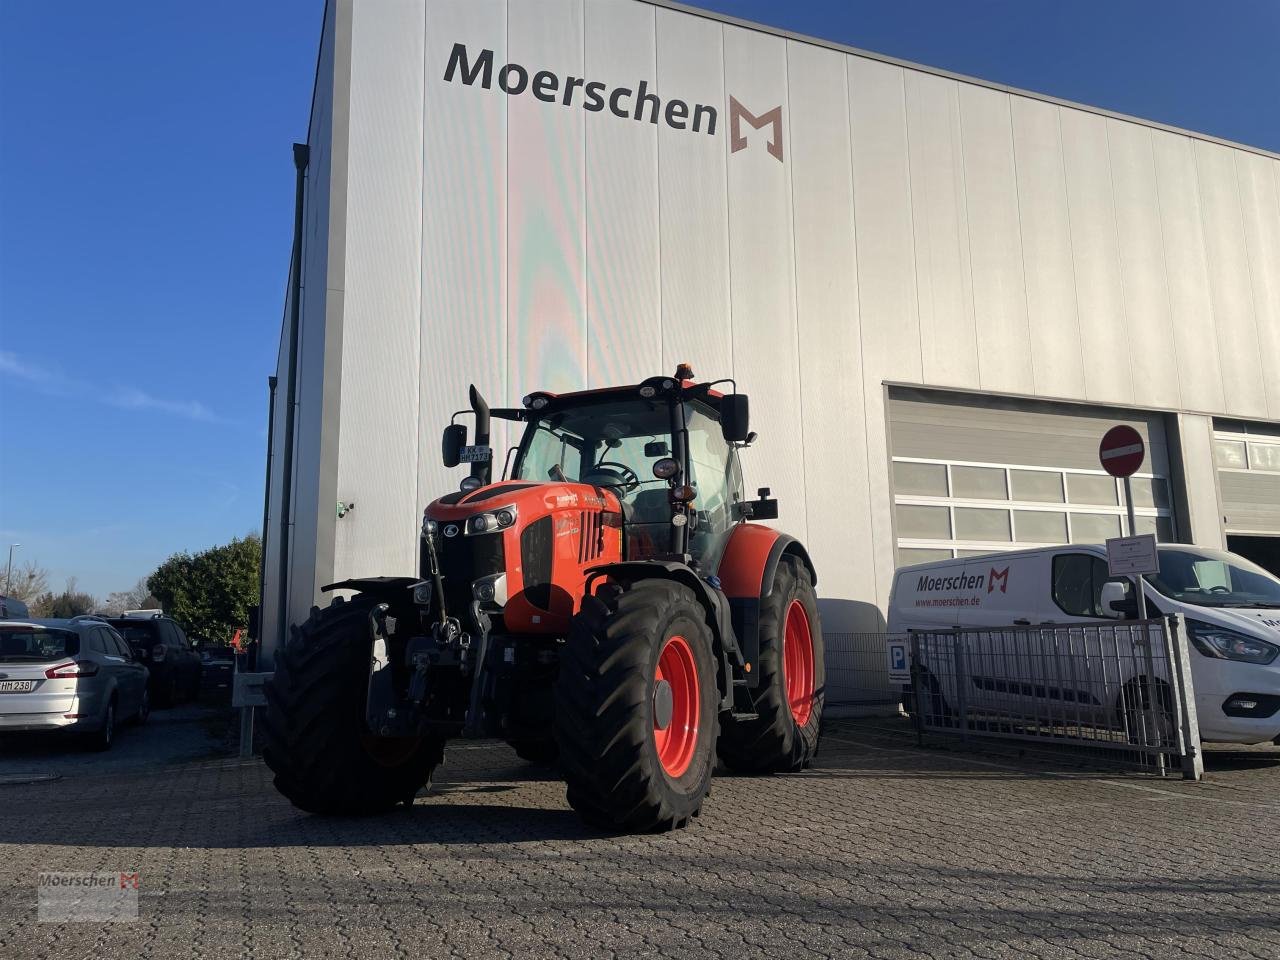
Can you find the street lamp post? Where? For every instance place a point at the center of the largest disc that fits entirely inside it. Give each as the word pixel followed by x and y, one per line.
pixel 8 573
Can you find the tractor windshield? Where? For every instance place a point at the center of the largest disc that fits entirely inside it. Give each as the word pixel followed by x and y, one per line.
pixel 616 443
pixel 612 444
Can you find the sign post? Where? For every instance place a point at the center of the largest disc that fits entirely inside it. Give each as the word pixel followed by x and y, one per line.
pixel 1122 453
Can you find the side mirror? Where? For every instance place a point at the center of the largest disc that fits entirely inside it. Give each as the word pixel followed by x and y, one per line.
pixel 735 418
pixel 1116 601
pixel 455 438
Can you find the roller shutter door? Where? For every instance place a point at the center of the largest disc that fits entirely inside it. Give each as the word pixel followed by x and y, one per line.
pixel 978 474
pixel 1248 460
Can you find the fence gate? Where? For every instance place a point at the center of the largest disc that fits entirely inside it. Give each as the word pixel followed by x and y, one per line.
pixel 1120 687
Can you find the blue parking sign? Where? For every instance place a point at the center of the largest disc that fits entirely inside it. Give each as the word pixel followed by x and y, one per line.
pixel 899 662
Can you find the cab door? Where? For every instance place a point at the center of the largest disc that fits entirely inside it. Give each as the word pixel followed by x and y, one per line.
pixel 1091 664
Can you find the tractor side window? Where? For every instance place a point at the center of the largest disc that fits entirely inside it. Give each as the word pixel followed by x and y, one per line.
pixel 715 474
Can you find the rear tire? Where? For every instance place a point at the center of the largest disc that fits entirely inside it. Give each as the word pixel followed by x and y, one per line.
pixel 784 736
pixel 637 708
pixel 316 741
pixel 102 739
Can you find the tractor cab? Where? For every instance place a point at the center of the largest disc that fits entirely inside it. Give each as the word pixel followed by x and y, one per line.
pixel 665 449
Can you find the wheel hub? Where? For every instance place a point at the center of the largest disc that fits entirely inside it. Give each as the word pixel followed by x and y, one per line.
pixel 676 706
pixel 663 704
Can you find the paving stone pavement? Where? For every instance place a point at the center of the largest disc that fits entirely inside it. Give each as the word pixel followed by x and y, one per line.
pixel 881 850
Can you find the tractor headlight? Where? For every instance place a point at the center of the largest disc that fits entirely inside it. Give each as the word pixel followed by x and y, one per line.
pixel 1223 644
pixel 491 589
pixel 422 593
pixel 491 520
pixel 430 528
pixel 469 484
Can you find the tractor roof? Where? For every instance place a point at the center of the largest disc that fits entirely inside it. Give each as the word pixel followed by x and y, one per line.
pixel 663 388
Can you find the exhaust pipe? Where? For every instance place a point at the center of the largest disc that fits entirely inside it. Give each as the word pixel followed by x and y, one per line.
pixel 481 469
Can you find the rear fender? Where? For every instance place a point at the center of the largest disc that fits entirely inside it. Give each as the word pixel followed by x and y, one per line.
pixel 714 603
pixel 392 590
pixel 746 572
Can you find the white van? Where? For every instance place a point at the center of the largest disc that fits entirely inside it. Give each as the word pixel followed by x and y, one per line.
pixel 1231 607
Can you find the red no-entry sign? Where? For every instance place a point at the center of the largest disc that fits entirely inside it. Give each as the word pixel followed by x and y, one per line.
pixel 1122 451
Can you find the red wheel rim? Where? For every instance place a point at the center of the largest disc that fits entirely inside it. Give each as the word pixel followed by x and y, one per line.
pixel 797 662
pixel 389 751
pixel 677 742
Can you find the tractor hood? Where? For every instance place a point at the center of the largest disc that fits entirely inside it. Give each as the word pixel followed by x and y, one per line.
pixel 523 548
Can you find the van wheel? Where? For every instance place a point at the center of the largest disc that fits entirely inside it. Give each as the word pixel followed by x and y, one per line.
pixel 1138 714
pixel 933 707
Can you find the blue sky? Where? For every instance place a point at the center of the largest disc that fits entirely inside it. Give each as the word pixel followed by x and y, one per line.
pixel 146 190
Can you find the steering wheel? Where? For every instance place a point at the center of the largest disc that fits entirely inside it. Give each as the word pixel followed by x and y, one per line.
pixel 618 474
pixel 1219 588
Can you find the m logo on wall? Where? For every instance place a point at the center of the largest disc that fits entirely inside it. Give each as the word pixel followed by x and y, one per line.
pixel 771 119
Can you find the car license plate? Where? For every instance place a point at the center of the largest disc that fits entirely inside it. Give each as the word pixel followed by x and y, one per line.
pixel 17 686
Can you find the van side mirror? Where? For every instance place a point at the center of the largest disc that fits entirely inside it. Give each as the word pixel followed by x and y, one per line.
pixel 1116 601
pixel 735 419
pixel 455 438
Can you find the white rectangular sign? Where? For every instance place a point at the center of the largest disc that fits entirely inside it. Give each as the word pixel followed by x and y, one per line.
pixel 474 455
pixel 1132 556
pixel 899 653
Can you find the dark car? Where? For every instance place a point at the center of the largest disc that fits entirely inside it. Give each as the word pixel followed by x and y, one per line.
pixel 219 665
pixel 160 643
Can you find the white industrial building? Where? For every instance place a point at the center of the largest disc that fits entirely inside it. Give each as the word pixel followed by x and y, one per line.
pixel 938 291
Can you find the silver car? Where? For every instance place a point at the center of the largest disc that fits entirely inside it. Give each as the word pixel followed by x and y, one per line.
pixel 75 675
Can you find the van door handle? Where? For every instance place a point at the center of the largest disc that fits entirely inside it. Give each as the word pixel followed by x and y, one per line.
pixel 1022 623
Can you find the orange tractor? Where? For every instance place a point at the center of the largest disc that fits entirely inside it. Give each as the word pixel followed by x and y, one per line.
pixel 609 606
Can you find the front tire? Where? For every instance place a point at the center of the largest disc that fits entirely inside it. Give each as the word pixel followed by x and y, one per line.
pixel 637 708
pixel 783 737
pixel 317 743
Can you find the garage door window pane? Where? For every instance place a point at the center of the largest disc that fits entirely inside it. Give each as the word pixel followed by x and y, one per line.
pixel 1093 527
pixel 1082 488
pixel 1039 526
pixel 920 479
pixel 910 555
pixel 978 483
pixel 1264 456
pixel 1036 486
pixel 1162 527
pixel 923 523
pixel 973 523
pixel 1150 492
pixel 1229 453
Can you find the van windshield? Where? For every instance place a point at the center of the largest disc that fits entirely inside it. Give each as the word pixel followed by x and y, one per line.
pixel 1214 578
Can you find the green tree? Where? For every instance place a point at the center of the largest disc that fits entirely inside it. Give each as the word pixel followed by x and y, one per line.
pixel 210 593
pixel 71 602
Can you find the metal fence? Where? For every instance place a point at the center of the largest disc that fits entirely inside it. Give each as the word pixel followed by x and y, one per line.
pixel 1121 688
pixel 858 682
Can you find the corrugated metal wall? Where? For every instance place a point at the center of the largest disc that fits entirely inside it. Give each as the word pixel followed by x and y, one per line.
pixel 919 229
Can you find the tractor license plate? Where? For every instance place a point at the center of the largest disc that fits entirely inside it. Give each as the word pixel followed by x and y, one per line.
pixel 474 454
pixel 17 686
